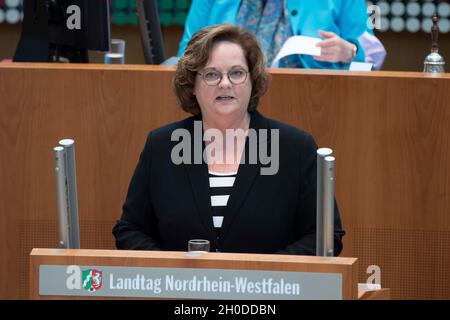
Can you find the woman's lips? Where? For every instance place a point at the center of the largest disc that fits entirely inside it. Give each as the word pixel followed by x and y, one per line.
pixel 224 98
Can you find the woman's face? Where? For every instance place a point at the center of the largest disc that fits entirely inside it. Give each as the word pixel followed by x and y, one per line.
pixel 225 98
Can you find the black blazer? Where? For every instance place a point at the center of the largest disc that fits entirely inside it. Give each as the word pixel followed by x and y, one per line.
pixel 169 204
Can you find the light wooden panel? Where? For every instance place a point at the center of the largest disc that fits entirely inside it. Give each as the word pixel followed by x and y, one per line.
pixel 389 132
pixel 108 113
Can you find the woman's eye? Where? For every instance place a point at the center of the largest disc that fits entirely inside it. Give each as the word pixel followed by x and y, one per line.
pixel 211 75
pixel 237 74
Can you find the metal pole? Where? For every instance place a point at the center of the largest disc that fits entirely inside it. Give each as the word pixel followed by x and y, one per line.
pixel 321 154
pixel 328 208
pixel 61 198
pixel 71 178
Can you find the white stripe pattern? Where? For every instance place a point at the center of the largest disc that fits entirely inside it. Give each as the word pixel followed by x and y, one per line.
pixel 217 221
pixel 219 201
pixel 216 173
pixel 221 184
pixel 215 182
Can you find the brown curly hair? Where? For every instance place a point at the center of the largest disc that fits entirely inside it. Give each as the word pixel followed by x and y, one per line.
pixel 196 56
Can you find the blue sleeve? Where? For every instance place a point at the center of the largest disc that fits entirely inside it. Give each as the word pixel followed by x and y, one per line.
pixel 197 18
pixel 352 23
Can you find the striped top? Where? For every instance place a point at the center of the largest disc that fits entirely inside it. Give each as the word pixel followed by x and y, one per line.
pixel 221 185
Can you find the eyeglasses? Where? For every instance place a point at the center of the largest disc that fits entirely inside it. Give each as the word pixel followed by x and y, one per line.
pixel 213 77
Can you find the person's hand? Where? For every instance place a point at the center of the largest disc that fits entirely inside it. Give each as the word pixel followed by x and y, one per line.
pixel 335 49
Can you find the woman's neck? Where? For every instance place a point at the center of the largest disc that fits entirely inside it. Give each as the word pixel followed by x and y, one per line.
pixel 227 154
pixel 241 121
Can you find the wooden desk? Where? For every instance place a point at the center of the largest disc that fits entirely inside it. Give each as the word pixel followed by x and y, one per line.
pixel 282 265
pixel 389 132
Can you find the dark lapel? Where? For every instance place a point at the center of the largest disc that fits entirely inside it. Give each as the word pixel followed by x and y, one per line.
pixel 246 175
pixel 199 179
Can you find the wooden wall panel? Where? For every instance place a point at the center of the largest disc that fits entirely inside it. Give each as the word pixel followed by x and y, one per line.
pixel 389 132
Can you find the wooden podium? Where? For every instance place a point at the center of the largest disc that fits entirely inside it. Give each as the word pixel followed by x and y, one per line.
pixel 103 274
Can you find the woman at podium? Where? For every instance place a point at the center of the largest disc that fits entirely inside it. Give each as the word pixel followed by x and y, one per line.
pixel 226 174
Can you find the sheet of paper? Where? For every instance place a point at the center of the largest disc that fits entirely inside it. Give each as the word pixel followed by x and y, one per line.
pixel 360 66
pixel 297 45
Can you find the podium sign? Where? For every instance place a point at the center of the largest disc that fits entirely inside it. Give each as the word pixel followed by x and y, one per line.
pixel 187 283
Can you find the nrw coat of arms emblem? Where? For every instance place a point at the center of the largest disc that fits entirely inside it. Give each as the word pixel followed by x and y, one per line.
pixel 92 280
